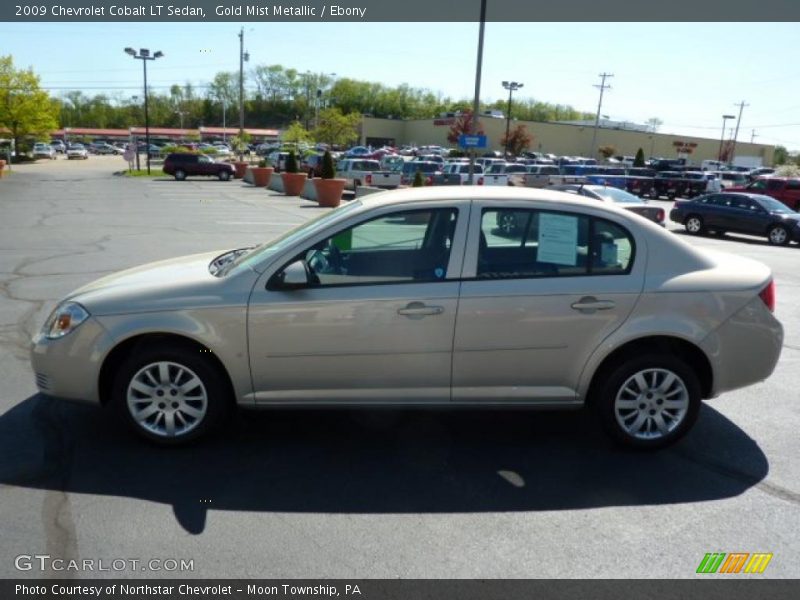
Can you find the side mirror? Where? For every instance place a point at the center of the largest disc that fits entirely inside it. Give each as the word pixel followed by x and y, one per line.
pixel 293 277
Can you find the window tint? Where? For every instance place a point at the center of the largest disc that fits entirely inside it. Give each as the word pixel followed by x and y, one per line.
pixel 402 247
pixel 532 243
pixel 793 185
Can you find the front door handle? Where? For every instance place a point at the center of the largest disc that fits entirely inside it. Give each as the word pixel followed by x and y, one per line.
pixel 419 309
pixel 591 304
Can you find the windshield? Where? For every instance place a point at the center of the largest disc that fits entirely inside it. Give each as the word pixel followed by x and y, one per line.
pixel 617 195
pixel 773 205
pixel 262 251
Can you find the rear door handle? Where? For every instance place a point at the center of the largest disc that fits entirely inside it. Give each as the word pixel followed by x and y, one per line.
pixel 419 309
pixel 591 304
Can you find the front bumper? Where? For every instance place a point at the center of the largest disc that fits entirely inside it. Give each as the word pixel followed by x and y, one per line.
pixel 69 367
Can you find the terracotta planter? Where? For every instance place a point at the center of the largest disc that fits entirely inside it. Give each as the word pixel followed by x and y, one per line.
pixel 293 183
pixel 240 168
pixel 261 175
pixel 2 168
pixel 329 191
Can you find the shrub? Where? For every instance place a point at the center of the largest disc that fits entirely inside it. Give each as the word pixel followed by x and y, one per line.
pixel 327 171
pixel 291 163
pixel 262 163
pixel 419 180
pixel 638 161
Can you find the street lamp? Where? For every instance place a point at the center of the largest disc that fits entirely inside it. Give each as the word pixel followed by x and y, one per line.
pixel 144 56
pixel 722 135
pixel 511 86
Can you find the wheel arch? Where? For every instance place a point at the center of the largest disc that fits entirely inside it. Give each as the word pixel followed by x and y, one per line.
pixel 125 348
pixel 689 352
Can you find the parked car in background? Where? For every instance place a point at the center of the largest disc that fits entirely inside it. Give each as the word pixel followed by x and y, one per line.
pixel 748 213
pixel 428 170
pixel 182 165
pixel 77 151
pixel 785 189
pixel 59 146
pixel 42 150
pixel 535 176
pixel 616 196
pixel 355 171
pixel 104 148
pixel 731 179
pixel 457 173
pixel 588 306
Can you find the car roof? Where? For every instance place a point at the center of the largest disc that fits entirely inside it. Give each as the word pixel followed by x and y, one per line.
pixel 450 193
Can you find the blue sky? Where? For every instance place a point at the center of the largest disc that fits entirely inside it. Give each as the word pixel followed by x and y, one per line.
pixel 686 74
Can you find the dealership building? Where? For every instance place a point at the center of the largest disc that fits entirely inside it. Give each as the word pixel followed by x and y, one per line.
pixel 563 139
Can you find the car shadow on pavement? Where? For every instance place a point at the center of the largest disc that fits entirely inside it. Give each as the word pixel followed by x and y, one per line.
pixel 374 461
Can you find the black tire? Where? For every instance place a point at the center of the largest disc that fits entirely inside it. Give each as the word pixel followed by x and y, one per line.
pixel 694 225
pixel 224 175
pixel 193 362
pixel 778 235
pixel 180 175
pixel 618 379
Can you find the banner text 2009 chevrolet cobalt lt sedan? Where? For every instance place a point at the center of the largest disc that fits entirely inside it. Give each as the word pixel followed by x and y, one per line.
pixel 417 298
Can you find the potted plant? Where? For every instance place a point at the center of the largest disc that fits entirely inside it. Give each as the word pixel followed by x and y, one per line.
pixel 239 146
pixel 261 174
pixel 329 188
pixel 419 180
pixel 293 181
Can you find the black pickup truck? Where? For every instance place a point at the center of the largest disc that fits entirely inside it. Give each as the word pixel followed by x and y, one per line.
pixel 670 184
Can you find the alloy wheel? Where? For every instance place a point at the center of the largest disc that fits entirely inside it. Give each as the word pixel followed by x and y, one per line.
pixel 651 404
pixel 167 399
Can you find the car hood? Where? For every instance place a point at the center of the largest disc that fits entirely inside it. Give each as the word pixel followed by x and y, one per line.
pixel 175 284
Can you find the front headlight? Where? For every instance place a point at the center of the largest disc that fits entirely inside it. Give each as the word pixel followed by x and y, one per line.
pixel 65 318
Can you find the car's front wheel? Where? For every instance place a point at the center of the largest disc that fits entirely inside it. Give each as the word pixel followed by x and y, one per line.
pixel 180 174
pixel 778 235
pixel 649 402
pixel 224 175
pixel 170 394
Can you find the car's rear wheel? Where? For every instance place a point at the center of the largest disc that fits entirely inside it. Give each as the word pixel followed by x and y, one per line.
pixel 778 235
pixel 170 394
pixel 694 224
pixel 180 174
pixel 649 402
pixel 224 175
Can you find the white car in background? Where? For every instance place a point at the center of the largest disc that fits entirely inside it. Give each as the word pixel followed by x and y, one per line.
pixel 42 150
pixel 77 151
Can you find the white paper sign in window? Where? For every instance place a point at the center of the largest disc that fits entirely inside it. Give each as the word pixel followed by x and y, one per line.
pixel 558 239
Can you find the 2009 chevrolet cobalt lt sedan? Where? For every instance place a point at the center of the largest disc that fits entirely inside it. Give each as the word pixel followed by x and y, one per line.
pixel 417 298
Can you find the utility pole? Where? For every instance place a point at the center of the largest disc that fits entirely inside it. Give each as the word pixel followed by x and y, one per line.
pixel 242 58
pixel 753 136
pixel 476 102
pixel 602 87
pixel 511 86
pixel 741 106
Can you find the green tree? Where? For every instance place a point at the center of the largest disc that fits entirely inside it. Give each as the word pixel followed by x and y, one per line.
pixel 337 129
pixel 25 109
pixel 296 134
pixel 518 140
pixel 419 180
pixel 781 156
pixel 638 160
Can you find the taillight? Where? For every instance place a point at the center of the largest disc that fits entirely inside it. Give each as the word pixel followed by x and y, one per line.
pixel 368 179
pixel 767 295
pixel 660 215
pixel 429 180
pixel 480 180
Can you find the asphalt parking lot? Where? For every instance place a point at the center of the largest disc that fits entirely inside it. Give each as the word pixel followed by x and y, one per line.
pixel 342 494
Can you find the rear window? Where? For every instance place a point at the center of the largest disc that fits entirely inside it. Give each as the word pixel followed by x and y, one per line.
pixel 423 167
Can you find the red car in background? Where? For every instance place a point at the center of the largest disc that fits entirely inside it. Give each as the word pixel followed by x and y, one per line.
pixel 784 189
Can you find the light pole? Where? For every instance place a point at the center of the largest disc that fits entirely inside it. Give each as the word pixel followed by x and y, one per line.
pixel 243 57
pixel 144 56
pixel 476 101
pixel 511 86
pixel 722 135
